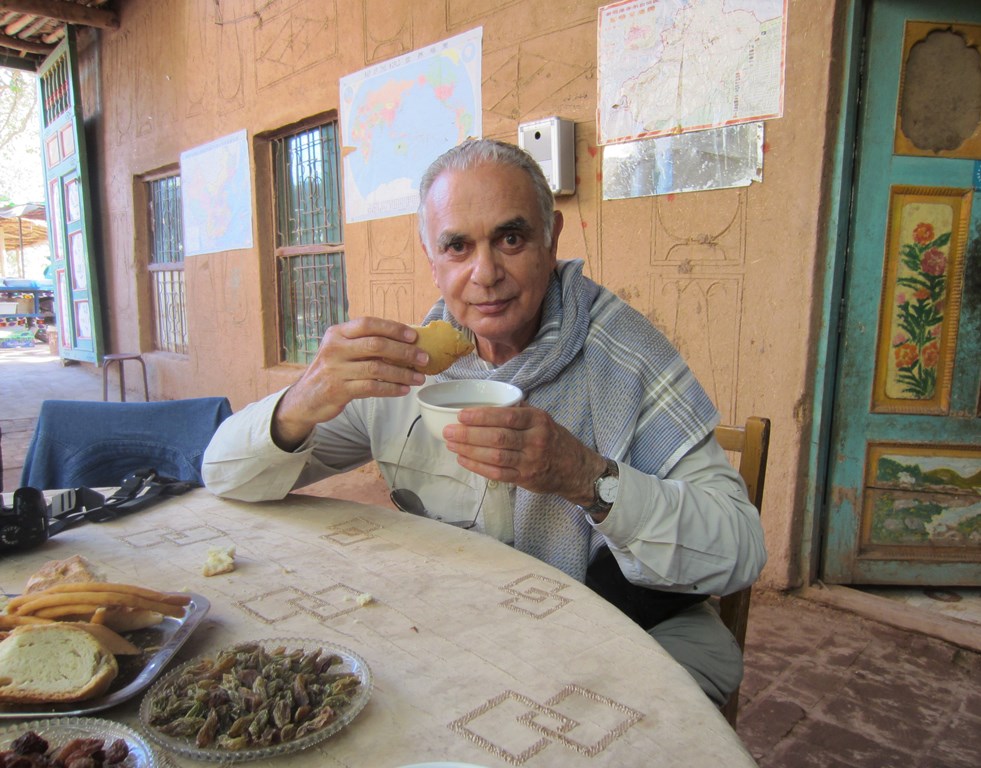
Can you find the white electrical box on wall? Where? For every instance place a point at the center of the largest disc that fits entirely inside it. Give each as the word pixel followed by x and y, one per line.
pixel 552 142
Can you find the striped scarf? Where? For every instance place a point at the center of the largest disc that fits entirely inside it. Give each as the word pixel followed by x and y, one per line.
pixel 612 379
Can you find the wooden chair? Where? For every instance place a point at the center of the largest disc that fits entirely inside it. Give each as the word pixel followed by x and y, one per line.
pixel 751 442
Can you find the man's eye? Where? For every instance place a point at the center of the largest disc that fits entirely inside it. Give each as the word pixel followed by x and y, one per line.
pixel 512 240
pixel 457 247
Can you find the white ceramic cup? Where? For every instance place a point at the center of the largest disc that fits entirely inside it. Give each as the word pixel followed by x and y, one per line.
pixel 440 403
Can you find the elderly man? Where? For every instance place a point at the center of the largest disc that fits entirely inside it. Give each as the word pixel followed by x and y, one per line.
pixel 609 470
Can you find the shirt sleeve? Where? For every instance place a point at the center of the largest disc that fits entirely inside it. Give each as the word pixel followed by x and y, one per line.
pixel 243 462
pixel 692 531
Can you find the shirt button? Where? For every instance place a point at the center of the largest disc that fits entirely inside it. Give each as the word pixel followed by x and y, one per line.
pixel 492 483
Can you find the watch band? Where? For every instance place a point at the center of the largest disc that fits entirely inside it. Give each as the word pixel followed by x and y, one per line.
pixel 599 505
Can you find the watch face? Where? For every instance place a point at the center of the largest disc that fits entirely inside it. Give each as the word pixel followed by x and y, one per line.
pixel 607 489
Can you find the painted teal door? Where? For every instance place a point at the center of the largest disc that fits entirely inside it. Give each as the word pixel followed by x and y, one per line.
pixel 904 502
pixel 69 207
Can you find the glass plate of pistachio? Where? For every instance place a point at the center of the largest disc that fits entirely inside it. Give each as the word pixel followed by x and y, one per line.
pixel 256 699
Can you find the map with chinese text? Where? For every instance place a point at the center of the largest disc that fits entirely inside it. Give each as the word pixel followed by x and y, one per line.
pixel 672 66
pixel 216 193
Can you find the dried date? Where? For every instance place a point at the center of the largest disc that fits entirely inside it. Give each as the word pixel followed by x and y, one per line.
pixel 30 750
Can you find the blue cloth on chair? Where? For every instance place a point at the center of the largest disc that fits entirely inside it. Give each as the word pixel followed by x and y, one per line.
pixel 84 443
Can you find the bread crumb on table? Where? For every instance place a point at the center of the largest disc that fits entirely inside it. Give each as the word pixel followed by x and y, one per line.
pixel 220 560
pixel 364 599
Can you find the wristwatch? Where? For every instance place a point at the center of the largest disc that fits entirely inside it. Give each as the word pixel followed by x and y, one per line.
pixel 604 490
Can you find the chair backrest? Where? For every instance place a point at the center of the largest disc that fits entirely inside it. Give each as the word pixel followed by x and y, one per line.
pixel 752 442
pixel 96 444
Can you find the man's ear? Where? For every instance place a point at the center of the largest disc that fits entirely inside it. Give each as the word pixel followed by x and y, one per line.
pixel 556 231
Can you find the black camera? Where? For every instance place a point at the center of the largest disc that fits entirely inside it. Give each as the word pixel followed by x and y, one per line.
pixel 25 524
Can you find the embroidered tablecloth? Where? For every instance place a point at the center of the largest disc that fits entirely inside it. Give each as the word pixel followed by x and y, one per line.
pixel 480 654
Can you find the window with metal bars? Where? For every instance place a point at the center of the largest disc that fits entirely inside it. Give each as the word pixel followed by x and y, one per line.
pixel 166 263
pixel 309 239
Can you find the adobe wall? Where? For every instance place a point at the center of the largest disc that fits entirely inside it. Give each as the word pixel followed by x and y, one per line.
pixel 728 275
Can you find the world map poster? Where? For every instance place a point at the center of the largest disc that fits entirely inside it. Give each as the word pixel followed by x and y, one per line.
pixel 399 116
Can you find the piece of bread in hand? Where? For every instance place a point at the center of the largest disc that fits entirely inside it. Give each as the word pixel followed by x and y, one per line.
pixel 444 343
pixel 53 662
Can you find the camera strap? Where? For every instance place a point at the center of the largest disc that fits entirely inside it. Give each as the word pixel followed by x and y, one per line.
pixel 138 490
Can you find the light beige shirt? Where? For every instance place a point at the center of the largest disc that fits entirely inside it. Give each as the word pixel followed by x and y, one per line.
pixel 693 530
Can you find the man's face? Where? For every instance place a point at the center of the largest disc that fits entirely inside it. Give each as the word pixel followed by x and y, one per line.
pixel 485 242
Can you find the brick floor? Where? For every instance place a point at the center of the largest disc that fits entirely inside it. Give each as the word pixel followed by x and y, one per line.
pixel 828 688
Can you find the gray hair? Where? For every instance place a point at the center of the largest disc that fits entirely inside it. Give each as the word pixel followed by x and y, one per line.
pixel 474 152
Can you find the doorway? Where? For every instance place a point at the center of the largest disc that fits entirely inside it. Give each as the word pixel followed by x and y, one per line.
pixel 903 498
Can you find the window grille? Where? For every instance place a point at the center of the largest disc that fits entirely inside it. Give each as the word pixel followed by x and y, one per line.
pixel 166 265
pixel 314 291
pixel 309 239
pixel 55 96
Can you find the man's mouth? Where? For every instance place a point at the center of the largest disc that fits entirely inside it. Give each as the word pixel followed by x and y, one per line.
pixel 492 307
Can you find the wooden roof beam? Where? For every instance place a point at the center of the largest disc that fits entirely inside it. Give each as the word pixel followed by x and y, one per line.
pixel 15 60
pixel 27 46
pixel 70 13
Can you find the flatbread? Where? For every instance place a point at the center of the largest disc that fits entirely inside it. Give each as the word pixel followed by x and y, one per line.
pixel 444 343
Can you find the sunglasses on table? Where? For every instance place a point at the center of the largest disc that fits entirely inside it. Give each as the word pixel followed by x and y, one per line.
pixel 409 501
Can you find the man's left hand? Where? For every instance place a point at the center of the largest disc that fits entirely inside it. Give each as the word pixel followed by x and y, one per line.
pixel 525 446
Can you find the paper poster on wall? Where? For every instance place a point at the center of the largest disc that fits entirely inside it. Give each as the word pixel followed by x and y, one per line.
pixel 720 158
pixel 671 66
pixel 399 116
pixel 216 192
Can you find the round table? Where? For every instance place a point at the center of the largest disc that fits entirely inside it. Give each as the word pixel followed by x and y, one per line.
pixel 480 654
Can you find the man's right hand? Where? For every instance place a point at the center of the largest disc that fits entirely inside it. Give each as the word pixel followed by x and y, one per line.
pixel 365 357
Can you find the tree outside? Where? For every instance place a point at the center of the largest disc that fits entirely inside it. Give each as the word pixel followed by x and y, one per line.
pixel 21 172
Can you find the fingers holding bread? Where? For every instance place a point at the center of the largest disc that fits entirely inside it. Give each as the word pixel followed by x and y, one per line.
pixel 444 344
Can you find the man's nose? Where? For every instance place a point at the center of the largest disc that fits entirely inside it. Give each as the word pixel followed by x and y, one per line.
pixel 486 267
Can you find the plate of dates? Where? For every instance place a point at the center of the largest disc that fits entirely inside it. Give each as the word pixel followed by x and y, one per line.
pixel 61 741
pixel 256 699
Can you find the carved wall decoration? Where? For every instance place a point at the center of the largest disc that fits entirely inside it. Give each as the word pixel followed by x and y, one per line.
pixel 719 239
pixel 153 106
pixel 294 39
pixel 392 244
pixel 119 60
pixel 234 19
pixel 459 12
pixel 518 19
pixel 701 316
pixel 545 75
pixel 393 299
pixel 387 30
pixel 696 285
